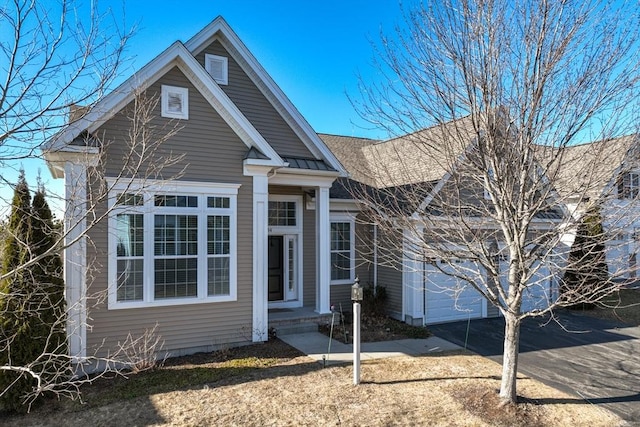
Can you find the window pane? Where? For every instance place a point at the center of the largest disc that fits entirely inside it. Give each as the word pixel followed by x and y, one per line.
pixel 341 250
pixel 218 276
pixel 130 280
pixel 129 235
pixel 340 266
pixel 176 278
pixel 218 235
pixel 129 199
pixel 176 201
pixel 176 235
pixel 282 214
pixel 218 202
pixel 340 236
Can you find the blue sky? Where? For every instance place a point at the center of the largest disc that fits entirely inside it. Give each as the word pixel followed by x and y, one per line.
pixel 314 50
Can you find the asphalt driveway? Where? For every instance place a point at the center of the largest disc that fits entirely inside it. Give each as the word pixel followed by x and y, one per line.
pixel 592 359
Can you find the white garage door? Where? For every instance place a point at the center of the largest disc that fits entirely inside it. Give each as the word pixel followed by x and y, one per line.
pixel 538 294
pixel 448 298
pixel 617 252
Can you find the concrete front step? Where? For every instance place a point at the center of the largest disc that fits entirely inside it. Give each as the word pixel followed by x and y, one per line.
pixel 295 328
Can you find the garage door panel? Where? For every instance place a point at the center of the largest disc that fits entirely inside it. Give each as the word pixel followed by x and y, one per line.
pixel 448 298
pixel 537 295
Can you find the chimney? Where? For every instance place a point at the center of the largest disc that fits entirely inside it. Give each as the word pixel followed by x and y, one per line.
pixel 76 112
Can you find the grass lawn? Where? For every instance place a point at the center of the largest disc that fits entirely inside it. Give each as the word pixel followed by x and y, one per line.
pixel 273 384
pixel 621 306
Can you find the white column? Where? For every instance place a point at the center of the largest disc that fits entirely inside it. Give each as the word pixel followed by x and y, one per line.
pixel 323 251
pixel 413 273
pixel 260 259
pixel 75 258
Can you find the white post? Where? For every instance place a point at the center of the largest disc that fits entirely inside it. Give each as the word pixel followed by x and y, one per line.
pixel 75 258
pixel 356 343
pixel 323 251
pixel 260 236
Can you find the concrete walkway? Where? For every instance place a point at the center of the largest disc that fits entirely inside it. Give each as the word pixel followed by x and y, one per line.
pixel 316 346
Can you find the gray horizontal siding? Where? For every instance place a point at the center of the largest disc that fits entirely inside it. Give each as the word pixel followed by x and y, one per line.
pixel 253 104
pixel 212 153
pixel 341 294
pixel 309 251
pixel 390 270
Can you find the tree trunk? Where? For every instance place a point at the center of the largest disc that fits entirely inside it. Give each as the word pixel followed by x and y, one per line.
pixel 510 358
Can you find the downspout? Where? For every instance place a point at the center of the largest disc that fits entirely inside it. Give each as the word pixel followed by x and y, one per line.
pixel 375 259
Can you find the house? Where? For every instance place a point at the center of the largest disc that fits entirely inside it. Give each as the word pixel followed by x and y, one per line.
pixel 411 185
pixel 606 173
pixel 253 217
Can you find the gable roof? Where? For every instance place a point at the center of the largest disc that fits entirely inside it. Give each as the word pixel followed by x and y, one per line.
pixel 174 56
pixel 423 156
pixel 588 170
pixel 404 174
pixel 220 30
pixel 183 56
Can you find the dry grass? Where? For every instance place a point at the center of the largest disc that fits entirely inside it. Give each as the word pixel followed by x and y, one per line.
pixel 271 384
pixel 621 306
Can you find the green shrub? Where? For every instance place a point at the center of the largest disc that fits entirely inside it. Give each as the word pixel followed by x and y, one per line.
pixel 373 301
pixel 587 273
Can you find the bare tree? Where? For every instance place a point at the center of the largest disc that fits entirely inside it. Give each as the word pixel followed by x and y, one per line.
pixel 488 183
pixel 58 62
pixel 141 159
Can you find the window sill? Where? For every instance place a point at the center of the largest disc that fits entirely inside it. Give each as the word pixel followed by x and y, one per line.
pixel 343 282
pixel 169 302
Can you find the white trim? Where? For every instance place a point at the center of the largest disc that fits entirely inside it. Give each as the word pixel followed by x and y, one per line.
pixel 172 186
pixel 75 259
pixel 323 257
pixel 183 94
pixel 285 231
pixel 219 29
pixel 375 257
pixel 281 230
pixel 311 179
pixel 351 220
pixel 260 248
pixel 209 58
pixel 57 160
pixel 412 274
pixel 149 210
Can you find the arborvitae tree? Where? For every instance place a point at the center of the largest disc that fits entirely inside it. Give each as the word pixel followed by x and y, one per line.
pixel 32 308
pixel 587 270
pixel 48 277
pixel 16 344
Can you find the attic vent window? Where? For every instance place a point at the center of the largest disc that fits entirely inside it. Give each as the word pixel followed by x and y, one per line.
pixel 175 102
pixel 218 67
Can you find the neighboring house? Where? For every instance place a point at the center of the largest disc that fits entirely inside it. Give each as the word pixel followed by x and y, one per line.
pixel 413 176
pixel 607 173
pixel 260 220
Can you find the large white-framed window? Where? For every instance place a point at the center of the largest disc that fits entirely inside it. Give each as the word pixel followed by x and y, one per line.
pixel 172 243
pixel 343 249
pixel 175 102
pixel 218 67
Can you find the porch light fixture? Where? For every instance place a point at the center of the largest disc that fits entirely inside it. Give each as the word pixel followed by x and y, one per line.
pixel 356 297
